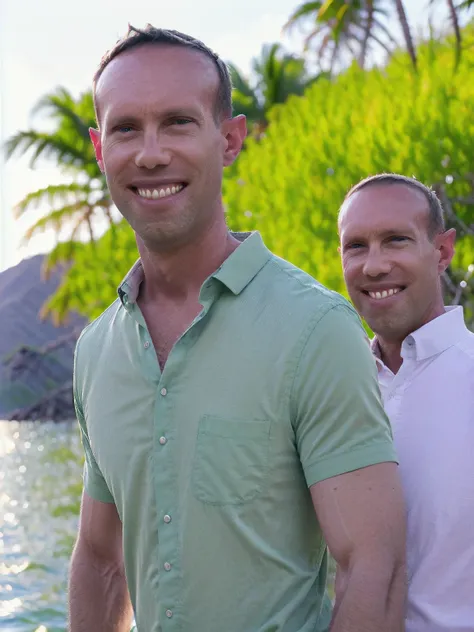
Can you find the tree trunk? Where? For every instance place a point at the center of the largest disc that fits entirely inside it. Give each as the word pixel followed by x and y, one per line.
pixel 457 31
pixel 402 17
pixel 367 33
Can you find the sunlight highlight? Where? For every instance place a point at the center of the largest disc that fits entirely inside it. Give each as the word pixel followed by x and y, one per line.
pixel 7 608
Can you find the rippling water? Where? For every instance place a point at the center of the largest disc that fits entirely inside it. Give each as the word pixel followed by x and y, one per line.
pixel 40 483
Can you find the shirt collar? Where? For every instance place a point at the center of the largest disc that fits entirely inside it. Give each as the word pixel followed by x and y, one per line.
pixel 235 273
pixel 244 263
pixel 439 334
pixel 130 286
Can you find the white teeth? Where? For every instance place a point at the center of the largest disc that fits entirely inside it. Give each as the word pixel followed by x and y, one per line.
pixel 384 293
pixel 156 194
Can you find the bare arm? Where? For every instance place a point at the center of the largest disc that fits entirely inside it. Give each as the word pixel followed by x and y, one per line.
pixel 98 593
pixel 362 516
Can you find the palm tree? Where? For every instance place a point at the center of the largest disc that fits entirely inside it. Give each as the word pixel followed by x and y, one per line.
pixel 343 26
pixel 77 203
pixel 276 75
pixel 352 26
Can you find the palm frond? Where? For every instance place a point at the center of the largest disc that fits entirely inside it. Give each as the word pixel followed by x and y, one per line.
pixel 240 83
pixel 53 195
pixel 386 31
pixel 45 145
pixel 62 107
pixel 303 11
pixel 56 219
pixel 62 254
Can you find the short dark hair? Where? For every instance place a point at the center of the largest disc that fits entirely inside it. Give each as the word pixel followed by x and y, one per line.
pixel 153 35
pixel 436 222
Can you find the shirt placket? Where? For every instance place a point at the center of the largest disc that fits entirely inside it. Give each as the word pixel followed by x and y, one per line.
pixel 166 479
pixel 400 381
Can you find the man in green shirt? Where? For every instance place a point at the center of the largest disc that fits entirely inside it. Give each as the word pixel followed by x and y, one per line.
pixel 228 403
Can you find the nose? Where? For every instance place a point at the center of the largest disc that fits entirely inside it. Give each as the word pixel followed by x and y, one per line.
pixel 152 153
pixel 376 263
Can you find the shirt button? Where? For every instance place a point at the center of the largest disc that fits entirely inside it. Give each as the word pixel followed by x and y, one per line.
pixel 169 613
pixel 146 345
pixel 163 440
pixel 167 518
pixel 163 391
pixel 167 566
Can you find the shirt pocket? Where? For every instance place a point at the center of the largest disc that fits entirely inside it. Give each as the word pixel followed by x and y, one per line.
pixel 230 460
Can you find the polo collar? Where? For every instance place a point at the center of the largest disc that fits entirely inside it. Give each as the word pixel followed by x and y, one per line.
pixel 244 263
pixel 236 272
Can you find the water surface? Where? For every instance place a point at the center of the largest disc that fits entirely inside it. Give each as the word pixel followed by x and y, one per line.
pixel 40 485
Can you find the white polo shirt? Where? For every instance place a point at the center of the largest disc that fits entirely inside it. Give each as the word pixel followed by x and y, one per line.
pixel 430 402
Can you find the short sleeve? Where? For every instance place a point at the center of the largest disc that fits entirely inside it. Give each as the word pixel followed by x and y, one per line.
pixel 338 415
pixel 94 483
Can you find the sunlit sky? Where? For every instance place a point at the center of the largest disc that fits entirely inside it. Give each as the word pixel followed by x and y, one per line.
pixel 50 43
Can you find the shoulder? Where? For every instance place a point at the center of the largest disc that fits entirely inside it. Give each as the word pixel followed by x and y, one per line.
pixel 89 342
pixel 304 292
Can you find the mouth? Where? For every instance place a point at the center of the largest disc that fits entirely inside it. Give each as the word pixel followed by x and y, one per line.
pixel 384 294
pixel 159 192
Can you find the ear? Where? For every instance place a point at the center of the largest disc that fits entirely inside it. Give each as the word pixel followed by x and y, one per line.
pixel 234 131
pixel 95 138
pixel 444 242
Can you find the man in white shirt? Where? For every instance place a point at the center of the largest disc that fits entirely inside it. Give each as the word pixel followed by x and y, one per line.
pixel 394 249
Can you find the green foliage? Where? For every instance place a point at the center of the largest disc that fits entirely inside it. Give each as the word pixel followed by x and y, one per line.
pixel 275 75
pixel 91 283
pixel 290 185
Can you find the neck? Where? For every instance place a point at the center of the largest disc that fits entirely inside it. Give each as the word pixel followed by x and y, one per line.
pixel 390 354
pixel 179 273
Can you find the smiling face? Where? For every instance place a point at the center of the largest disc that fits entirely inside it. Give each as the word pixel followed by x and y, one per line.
pixel 160 145
pixel 391 266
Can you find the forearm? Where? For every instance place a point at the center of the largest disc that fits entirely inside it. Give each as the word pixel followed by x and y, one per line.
pixel 370 598
pixel 98 595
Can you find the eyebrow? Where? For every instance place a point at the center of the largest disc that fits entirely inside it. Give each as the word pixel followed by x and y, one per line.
pixel 385 233
pixel 182 112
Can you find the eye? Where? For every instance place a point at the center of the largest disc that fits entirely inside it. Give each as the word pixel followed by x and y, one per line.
pixel 398 238
pixel 180 121
pixel 123 129
pixel 355 246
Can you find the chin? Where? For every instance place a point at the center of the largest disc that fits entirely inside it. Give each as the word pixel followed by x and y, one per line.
pixel 390 331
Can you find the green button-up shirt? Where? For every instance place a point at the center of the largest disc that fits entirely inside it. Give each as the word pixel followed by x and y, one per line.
pixel 271 389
